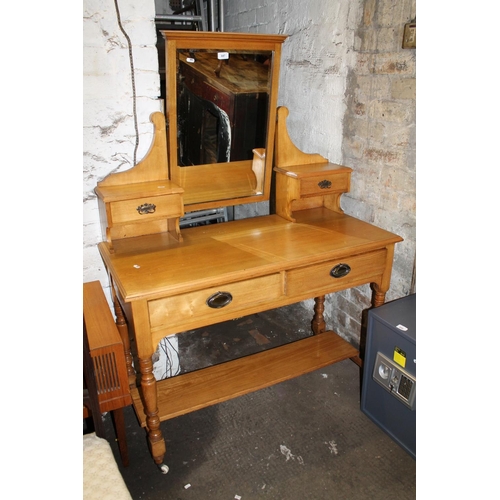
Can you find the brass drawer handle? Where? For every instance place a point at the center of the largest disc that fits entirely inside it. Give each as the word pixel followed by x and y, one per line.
pixel 340 270
pixel 146 208
pixel 219 299
pixel 326 184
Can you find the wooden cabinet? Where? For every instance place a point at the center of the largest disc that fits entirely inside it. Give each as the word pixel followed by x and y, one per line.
pixel 140 209
pixel 305 180
pixel 130 204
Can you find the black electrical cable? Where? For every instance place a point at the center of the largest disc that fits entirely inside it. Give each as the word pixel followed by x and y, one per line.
pixel 169 365
pixel 177 353
pixel 134 97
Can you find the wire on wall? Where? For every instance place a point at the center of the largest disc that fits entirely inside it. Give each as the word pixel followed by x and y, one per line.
pixel 134 97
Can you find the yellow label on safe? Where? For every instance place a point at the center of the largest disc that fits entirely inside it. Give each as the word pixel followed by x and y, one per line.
pixel 399 357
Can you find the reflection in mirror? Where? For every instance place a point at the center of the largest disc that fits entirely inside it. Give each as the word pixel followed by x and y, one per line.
pixel 222 105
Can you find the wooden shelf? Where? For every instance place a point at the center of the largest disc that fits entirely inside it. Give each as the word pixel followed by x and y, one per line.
pixel 208 386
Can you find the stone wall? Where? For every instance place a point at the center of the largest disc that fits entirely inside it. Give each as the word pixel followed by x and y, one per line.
pixel 379 143
pixel 350 89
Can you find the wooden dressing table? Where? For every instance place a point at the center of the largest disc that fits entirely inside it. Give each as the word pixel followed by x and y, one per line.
pixel 164 282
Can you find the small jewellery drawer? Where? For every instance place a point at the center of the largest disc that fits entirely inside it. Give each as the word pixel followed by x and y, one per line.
pixel 140 209
pixel 213 304
pixel 330 276
pixel 323 185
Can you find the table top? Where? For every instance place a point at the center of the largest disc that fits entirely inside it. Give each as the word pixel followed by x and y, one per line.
pixel 156 266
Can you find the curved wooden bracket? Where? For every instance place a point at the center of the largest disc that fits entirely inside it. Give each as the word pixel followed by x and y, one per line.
pixel 286 154
pixel 259 168
pixel 142 200
pixel 153 167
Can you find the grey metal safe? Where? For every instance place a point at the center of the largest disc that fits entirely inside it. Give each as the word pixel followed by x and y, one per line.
pixel 388 393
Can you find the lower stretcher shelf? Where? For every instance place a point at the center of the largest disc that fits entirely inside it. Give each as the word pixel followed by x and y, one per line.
pixel 208 386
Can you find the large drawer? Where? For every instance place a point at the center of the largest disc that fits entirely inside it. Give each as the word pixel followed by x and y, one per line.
pixel 185 310
pixel 317 279
pixel 142 209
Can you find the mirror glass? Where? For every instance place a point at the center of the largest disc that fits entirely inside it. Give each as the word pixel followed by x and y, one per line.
pixel 221 98
pixel 222 105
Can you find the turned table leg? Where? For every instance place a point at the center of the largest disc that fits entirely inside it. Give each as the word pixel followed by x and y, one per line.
pixel 378 297
pixel 379 289
pixel 148 390
pixel 318 323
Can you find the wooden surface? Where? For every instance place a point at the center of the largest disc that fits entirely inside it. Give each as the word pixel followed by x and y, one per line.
pixel 221 182
pixel 307 170
pixel 198 389
pixel 264 262
pixel 218 40
pixel 113 193
pixel 100 325
pixel 238 250
pixel 106 349
pixel 105 368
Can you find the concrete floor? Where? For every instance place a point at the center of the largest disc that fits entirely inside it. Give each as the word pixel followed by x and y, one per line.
pixel 302 439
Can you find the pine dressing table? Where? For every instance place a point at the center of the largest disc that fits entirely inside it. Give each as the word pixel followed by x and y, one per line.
pixel 165 281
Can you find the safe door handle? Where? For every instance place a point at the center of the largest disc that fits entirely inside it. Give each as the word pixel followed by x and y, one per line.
pixel 340 270
pixel 219 300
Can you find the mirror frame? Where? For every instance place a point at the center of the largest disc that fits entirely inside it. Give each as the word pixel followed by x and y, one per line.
pixel 201 188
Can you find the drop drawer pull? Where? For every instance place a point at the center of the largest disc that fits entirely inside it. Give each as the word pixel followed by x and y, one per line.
pixel 340 270
pixel 219 299
pixel 146 208
pixel 326 184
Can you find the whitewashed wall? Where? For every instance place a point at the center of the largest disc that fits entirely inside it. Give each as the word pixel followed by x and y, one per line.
pixel 109 135
pixel 108 125
pixel 315 60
